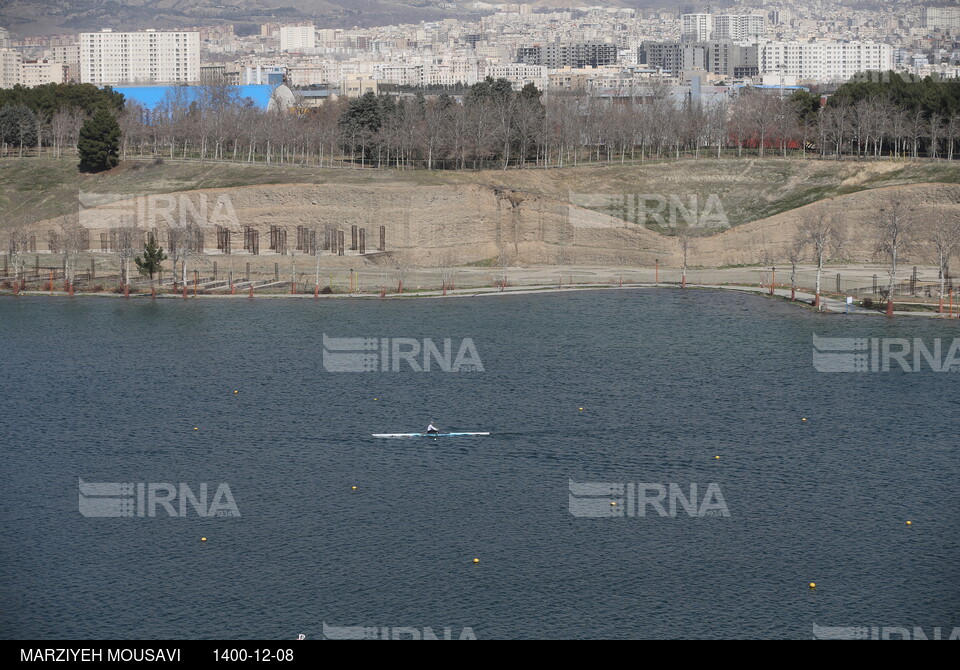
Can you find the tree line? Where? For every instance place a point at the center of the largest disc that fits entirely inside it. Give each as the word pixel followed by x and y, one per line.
pixel 492 125
pixel 49 117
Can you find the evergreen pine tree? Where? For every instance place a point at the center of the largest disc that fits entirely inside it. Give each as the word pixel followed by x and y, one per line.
pixel 151 261
pixel 99 142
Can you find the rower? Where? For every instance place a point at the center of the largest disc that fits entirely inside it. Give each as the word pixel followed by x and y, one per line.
pixel 432 430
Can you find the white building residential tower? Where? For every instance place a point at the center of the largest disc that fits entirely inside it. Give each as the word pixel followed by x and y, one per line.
pixel 146 58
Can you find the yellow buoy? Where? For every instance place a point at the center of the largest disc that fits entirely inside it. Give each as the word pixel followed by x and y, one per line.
pixel 476 560
pixel 195 428
pixel 909 523
pixel 613 503
pixel 716 458
pixel 353 488
pixel 813 585
pixel 236 392
pixel 375 398
pixel 203 539
pixel 804 419
pixel 581 409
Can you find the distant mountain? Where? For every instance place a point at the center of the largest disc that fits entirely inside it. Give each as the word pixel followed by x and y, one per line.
pixel 33 17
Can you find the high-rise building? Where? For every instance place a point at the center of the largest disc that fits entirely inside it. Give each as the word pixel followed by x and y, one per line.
pixel 726 58
pixel 9 68
pixel 944 18
pixel 825 61
pixel 148 57
pixel 583 54
pixel 671 56
pixel 65 53
pixel 737 27
pixel 722 57
pixel 298 38
pixel 696 27
pixel 781 16
pixel 40 72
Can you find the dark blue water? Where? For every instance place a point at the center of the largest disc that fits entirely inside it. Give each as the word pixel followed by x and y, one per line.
pixel 110 391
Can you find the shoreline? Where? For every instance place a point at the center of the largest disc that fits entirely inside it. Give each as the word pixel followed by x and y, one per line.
pixel 803 299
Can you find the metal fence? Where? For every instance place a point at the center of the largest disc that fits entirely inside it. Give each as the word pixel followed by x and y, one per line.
pixel 222 274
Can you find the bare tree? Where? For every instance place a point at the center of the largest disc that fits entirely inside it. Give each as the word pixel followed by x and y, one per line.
pixel 73 238
pixel 943 231
pixel 179 245
pixel 952 134
pixel 893 231
pixel 448 262
pixel 825 236
pixel 402 265
pixel 129 238
pixel 685 242
pixel 936 130
pixel 396 264
pixel 794 252
pixel 17 243
pixel 317 247
pixel 194 246
pixel 504 260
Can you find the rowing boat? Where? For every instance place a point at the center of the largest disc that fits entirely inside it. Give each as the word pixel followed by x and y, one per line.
pixel 428 434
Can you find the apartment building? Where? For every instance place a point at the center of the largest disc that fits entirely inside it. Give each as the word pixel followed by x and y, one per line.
pixel 298 39
pixel 732 60
pixel 65 53
pixel 356 85
pixel 940 18
pixel 401 74
pixel 40 72
pixel 312 74
pixel 519 74
pixel 10 61
pixel 824 60
pixel 576 55
pixel 139 58
pixel 220 74
pixel 696 27
pixel 450 71
pixel 738 27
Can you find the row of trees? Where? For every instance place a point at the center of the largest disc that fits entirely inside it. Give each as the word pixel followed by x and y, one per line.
pixel 929 96
pixel 70 239
pixel 49 117
pixel 492 125
pixel 898 231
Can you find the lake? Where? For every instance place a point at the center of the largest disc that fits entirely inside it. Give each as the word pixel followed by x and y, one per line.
pixel 110 391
